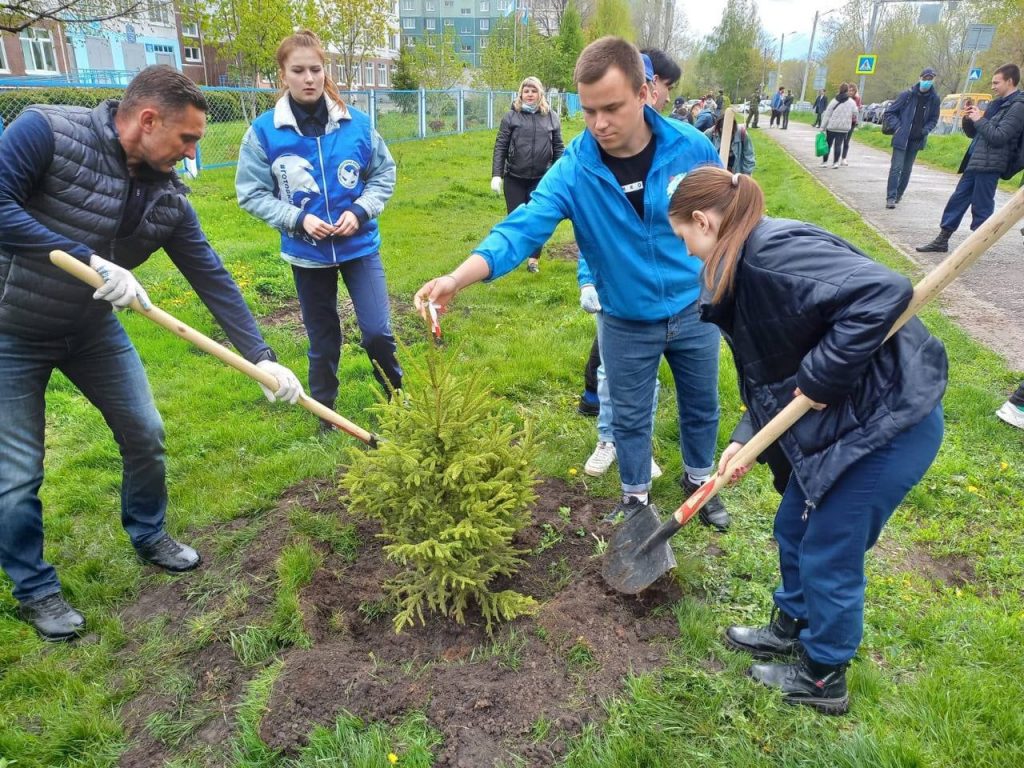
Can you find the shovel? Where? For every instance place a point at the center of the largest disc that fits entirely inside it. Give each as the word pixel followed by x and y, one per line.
pixel 728 122
pixel 639 552
pixel 88 275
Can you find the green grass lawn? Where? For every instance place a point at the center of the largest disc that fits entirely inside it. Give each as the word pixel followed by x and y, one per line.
pixel 938 679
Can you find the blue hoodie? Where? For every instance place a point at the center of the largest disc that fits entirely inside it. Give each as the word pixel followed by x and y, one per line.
pixel 640 269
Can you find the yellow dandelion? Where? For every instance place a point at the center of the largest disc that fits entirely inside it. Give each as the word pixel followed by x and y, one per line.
pixel 1003 466
pixel 743 408
pixel 392 758
pixel 972 488
pixel 572 471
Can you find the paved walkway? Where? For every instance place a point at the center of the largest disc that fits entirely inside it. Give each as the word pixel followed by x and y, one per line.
pixel 987 301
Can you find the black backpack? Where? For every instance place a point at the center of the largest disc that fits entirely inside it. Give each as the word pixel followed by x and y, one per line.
pixel 1016 162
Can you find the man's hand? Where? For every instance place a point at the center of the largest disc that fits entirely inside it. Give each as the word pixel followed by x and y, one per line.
pixel 974 114
pixel 589 300
pixel 316 227
pixel 496 185
pixel 119 287
pixel 727 456
pixel 441 290
pixel 347 225
pixel 814 405
pixel 288 387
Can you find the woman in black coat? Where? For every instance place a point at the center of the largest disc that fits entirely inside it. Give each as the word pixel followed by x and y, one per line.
pixel 805 312
pixel 529 142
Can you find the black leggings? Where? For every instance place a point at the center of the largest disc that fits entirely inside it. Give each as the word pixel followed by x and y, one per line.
pixel 517 192
pixel 841 141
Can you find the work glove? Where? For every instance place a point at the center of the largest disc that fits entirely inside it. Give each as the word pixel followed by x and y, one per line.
pixel 589 300
pixel 119 287
pixel 496 185
pixel 289 388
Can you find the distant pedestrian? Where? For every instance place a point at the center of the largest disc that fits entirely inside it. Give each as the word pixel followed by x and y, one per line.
pixel 787 105
pixel 529 142
pixel 994 135
pixel 777 100
pixel 666 74
pixel 679 110
pixel 820 105
pixel 753 107
pixel 909 119
pixel 838 122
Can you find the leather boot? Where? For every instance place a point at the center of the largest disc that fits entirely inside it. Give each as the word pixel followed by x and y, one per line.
pixel 779 639
pixel 54 619
pixel 169 554
pixel 807 682
pixel 713 514
pixel 939 245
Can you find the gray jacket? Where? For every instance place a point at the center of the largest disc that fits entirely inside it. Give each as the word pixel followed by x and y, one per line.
pixel 994 138
pixel 527 144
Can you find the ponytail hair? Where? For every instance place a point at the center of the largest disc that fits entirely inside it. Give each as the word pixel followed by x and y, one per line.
pixel 304 38
pixel 740 202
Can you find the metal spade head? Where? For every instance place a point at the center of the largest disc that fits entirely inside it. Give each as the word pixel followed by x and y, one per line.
pixel 639 553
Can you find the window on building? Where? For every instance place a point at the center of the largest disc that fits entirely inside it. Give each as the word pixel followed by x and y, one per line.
pixel 466 11
pixel 467 48
pixel 3 58
pixel 430 6
pixel 369 73
pixel 485 6
pixel 408 23
pixel 193 54
pixel 382 75
pixel 394 42
pixel 408 5
pixel 190 30
pixel 431 43
pixel 466 29
pixel 483 43
pixel 503 5
pixel 37 45
pixel 430 24
pixel 159 12
pixel 356 70
pixel 485 24
pixel 449 3
pixel 449 22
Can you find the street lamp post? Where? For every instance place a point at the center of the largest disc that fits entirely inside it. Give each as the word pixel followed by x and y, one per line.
pixel 782 45
pixel 810 50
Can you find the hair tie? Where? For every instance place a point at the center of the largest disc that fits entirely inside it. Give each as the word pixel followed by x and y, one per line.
pixel 735 179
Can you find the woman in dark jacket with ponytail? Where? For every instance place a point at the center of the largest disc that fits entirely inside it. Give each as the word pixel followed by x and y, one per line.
pixel 805 312
pixel 529 142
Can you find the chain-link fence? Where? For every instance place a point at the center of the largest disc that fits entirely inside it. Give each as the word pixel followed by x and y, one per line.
pixel 396 115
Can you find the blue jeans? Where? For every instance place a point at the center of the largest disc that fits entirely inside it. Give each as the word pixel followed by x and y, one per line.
pixel 104 365
pixel 318 299
pixel 976 191
pixel 604 416
pixel 631 352
pixel 900 166
pixel 822 558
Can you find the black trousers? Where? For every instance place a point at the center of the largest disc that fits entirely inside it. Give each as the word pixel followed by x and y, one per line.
pixel 785 119
pixel 1017 398
pixel 817 119
pixel 776 118
pixel 590 372
pixel 517 192
pixel 752 116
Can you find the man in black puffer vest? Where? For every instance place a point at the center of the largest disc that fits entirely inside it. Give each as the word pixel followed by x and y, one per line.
pixel 99 184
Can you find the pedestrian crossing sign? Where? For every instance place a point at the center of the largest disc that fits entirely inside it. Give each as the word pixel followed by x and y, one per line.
pixel 866 64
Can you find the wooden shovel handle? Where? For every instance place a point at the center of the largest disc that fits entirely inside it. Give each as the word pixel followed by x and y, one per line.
pixel 88 275
pixel 727 126
pixel 954 265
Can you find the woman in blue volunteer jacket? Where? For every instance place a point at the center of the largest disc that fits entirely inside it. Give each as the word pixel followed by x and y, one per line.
pixel 804 311
pixel 314 168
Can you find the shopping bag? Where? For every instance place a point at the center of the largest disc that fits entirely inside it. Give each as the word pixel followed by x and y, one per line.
pixel 821 145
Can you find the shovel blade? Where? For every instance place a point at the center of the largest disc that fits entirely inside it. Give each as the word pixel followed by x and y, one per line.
pixel 639 553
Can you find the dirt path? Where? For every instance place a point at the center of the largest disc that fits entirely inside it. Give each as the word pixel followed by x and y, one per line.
pixel 988 301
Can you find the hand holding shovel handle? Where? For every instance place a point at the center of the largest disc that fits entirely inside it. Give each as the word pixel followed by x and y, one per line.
pixel 88 275
pixel 639 552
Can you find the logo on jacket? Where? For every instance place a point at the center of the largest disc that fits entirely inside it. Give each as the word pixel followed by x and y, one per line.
pixel 348 173
pixel 295 182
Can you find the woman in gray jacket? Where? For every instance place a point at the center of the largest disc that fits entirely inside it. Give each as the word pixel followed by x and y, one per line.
pixel 838 121
pixel 529 142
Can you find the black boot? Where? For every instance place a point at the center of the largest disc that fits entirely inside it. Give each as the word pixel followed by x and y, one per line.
pixel 169 554
pixel 807 682
pixel 779 639
pixel 712 514
pixel 939 245
pixel 53 617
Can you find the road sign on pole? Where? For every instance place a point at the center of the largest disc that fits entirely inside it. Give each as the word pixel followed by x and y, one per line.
pixel 820 76
pixel 979 37
pixel 866 64
pixel 975 74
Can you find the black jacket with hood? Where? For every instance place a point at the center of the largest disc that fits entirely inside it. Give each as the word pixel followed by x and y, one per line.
pixel 528 144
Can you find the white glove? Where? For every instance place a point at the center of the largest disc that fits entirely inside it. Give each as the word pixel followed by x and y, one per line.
pixel 289 388
pixel 589 300
pixel 496 185
pixel 119 287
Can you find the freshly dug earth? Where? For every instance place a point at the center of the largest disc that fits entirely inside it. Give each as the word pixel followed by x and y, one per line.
pixel 488 696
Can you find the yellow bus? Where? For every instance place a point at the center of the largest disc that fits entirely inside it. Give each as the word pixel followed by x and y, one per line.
pixel 952 108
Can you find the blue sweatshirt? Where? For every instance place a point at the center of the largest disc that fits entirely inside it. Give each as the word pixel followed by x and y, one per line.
pixel 640 269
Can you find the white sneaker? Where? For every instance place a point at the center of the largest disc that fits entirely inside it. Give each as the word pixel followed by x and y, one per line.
pixel 835 165
pixel 655 470
pixel 1011 414
pixel 601 459
pixel 844 163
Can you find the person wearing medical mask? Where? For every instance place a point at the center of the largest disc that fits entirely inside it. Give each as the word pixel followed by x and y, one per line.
pixel 909 119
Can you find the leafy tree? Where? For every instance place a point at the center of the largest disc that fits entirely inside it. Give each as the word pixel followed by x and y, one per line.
pixel 732 53
pixel 403 79
pixel 569 43
pixel 350 28
pixel 246 32
pixel 661 24
pixel 611 17
pixel 516 50
pixel 451 485
pixel 17 15
pixel 433 61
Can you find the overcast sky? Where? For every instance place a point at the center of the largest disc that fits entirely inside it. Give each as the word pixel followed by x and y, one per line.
pixel 777 16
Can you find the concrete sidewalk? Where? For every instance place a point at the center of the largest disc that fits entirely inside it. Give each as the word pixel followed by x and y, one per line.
pixel 987 301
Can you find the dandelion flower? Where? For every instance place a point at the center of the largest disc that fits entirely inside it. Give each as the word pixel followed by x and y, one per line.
pixel 572 471
pixel 392 758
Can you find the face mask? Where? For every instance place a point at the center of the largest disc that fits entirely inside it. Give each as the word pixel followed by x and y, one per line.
pixel 926 85
pixel 529 107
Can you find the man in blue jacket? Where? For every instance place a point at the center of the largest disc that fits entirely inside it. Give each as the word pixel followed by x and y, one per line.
pixel 910 118
pixel 89 182
pixel 614 182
